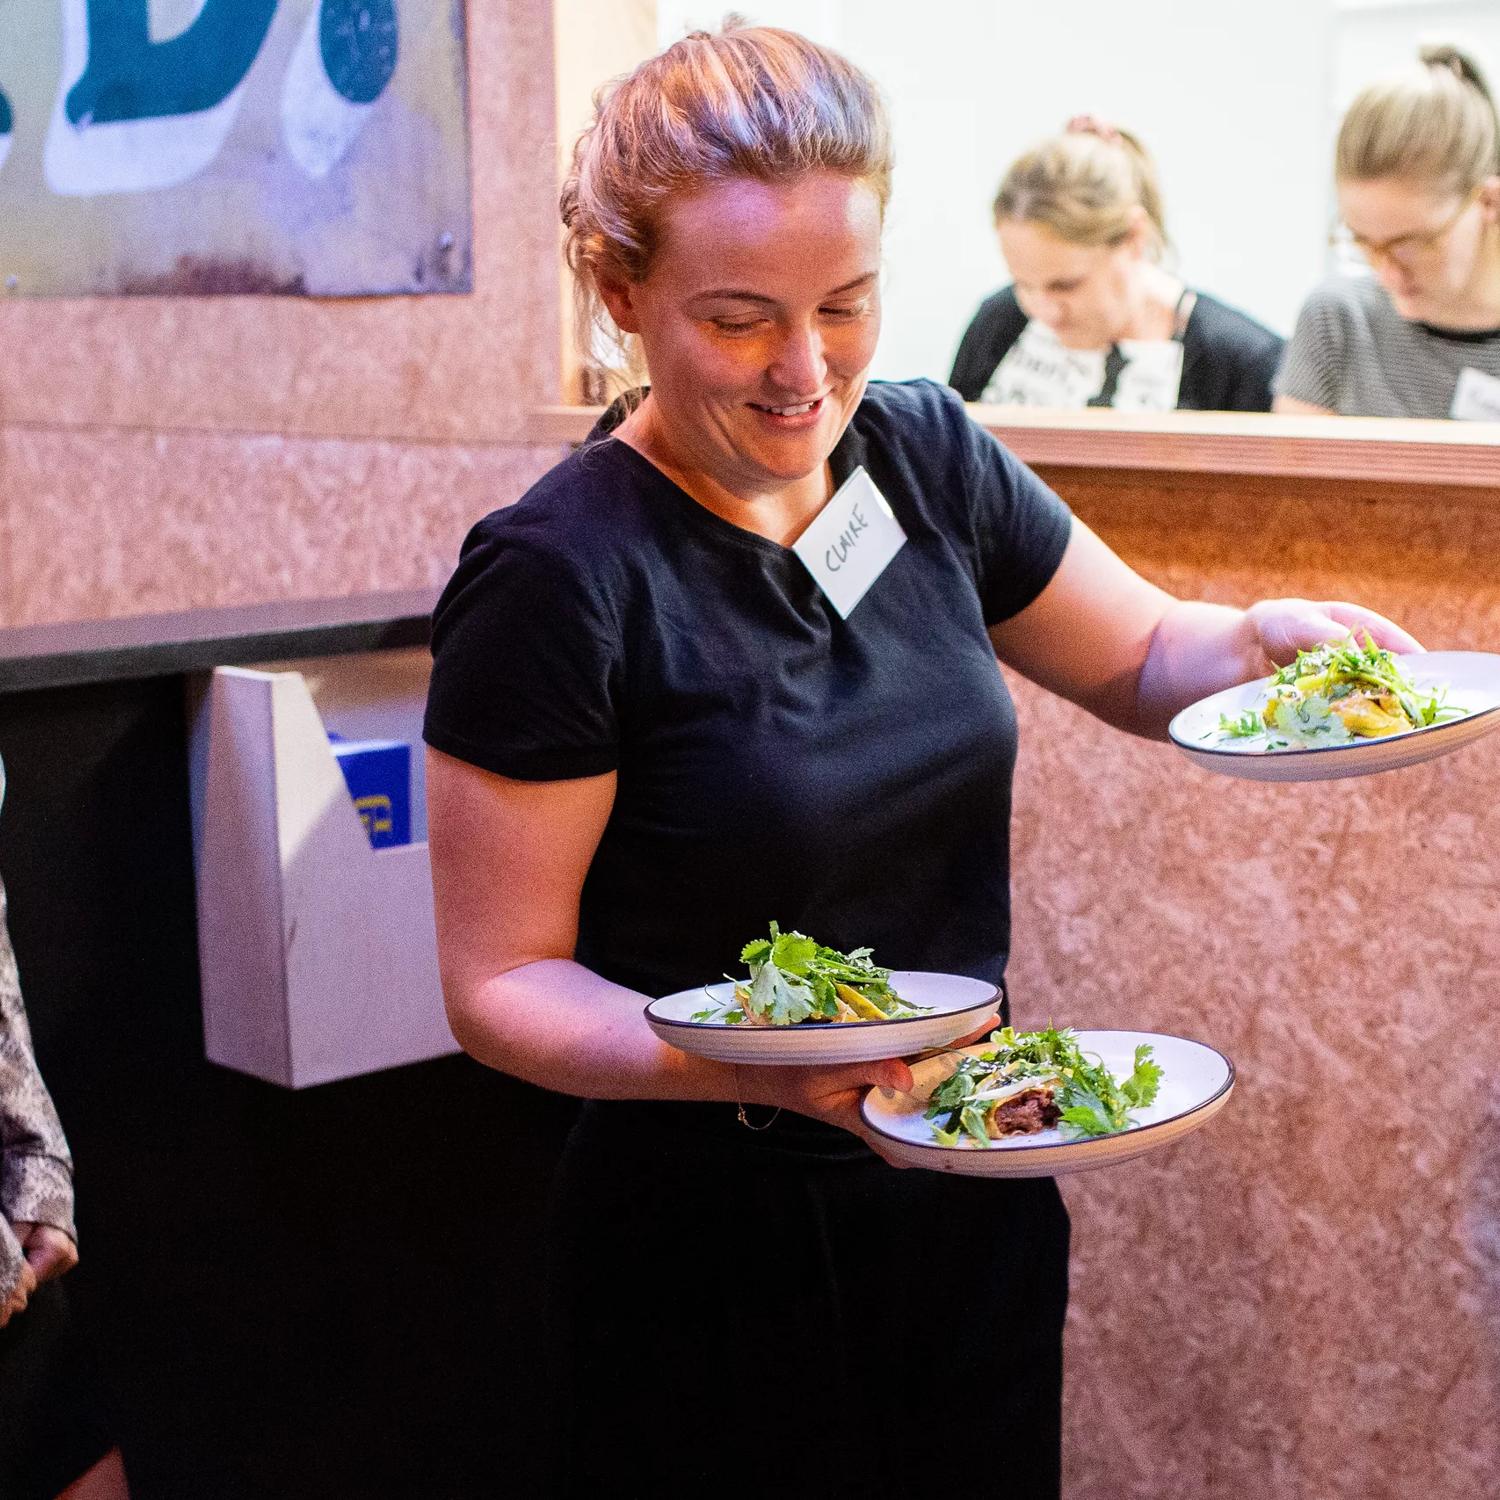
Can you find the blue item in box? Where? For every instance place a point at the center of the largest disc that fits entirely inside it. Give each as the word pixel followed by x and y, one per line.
pixel 378 773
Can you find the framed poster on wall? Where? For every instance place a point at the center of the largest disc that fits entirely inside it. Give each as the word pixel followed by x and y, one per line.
pixel 174 147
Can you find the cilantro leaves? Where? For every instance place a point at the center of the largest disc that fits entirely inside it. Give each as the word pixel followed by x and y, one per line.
pixel 1337 693
pixel 794 979
pixel 1091 1101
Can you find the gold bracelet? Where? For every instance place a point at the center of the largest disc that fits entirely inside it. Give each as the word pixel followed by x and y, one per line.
pixel 739 1106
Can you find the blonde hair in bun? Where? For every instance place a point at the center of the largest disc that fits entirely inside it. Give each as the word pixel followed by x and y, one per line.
pixel 1433 123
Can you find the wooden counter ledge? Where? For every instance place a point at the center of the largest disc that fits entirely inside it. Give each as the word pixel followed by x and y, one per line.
pixel 1361 450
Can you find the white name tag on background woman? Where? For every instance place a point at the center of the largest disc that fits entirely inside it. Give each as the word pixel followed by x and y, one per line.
pixel 850 542
pixel 1152 377
pixel 1039 370
pixel 1476 398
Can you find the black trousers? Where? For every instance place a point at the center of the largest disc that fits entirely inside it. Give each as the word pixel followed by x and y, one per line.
pixel 782 1313
pixel 51 1430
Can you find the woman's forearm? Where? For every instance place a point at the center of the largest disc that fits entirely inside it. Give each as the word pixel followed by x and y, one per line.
pixel 557 1024
pixel 516 1005
pixel 1196 649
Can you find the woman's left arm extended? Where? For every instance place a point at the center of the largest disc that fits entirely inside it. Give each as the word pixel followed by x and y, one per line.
pixel 1101 635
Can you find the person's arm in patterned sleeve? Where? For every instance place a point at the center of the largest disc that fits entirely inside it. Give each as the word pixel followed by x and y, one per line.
pixel 37 1235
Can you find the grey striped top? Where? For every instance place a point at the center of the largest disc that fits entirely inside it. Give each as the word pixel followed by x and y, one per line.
pixel 1355 354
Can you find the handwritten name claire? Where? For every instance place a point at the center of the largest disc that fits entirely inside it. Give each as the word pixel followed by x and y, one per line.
pixel 846 541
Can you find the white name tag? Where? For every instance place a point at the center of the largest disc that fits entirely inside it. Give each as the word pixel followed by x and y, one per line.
pixel 1476 397
pixel 850 543
pixel 1152 377
pixel 1038 370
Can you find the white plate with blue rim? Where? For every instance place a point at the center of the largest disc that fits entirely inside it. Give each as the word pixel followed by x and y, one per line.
pixel 1468 680
pixel 952 1006
pixel 1196 1083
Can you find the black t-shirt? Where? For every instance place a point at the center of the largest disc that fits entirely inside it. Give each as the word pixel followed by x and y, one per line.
pixel 848 778
pixel 1228 359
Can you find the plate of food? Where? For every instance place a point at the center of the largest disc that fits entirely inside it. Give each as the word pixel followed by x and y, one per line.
pixel 803 1002
pixel 1044 1103
pixel 1344 709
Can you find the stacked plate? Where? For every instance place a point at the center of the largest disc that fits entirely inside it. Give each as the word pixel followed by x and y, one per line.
pixel 1195 1086
pixel 1196 1080
pixel 954 1006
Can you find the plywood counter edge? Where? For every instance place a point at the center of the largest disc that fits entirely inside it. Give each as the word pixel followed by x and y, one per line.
pixel 1350 449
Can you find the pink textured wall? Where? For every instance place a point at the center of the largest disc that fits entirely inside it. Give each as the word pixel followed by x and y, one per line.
pixel 166 453
pixel 1302 1302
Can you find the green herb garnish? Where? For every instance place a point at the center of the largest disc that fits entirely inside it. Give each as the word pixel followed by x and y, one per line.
pixel 1091 1101
pixel 1242 726
pixel 1308 701
pixel 794 979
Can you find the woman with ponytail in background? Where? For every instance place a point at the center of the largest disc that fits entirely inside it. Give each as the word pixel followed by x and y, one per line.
pixel 1418 174
pixel 1093 317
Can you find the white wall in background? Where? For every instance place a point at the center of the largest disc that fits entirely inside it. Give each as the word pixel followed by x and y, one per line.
pixel 1239 104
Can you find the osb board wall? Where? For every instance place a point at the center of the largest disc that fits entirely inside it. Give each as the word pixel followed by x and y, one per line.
pixel 1304 1300
pixel 165 453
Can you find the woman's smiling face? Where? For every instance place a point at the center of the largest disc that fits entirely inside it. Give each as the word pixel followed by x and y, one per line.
pixel 758 316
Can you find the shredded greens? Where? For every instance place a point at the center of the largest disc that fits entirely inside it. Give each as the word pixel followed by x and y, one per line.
pixel 1090 1100
pixel 794 979
pixel 1335 695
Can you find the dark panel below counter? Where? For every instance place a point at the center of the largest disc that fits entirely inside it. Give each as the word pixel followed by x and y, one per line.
pixel 334 1292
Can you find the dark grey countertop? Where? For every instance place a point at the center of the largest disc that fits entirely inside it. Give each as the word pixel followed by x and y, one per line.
pixel 140 646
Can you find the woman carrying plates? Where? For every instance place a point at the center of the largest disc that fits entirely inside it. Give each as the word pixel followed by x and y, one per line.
pixel 655 725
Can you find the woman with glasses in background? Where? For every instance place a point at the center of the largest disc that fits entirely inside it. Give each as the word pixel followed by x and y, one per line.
pixel 1418 173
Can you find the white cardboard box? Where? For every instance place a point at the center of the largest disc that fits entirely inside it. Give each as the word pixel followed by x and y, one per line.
pixel 317 953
